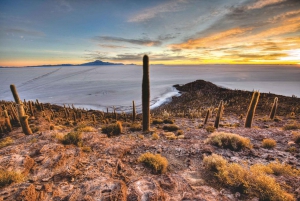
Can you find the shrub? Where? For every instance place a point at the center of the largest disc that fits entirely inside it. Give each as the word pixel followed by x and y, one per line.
pixel 171 127
pixel 168 121
pixel 251 180
pixel 141 136
pixel 277 119
pixel 155 136
pixel 84 128
pixel 296 137
pixel 214 162
pixel 268 143
pixel 293 126
pixel 113 129
pixel 283 169
pixel 157 121
pixel 51 127
pixel 180 132
pixel 229 140
pixel 6 142
pixel 73 138
pixel 135 127
pixel 8 177
pixel 210 129
pixel 86 149
pixel 158 163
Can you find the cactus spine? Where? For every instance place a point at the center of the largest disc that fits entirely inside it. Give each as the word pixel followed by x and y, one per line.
pixel 133 112
pixel 22 117
pixel 251 110
pixel 219 114
pixel 274 108
pixel 146 94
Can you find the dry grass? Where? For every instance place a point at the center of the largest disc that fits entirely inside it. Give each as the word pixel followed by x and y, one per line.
pixel 73 138
pixel 251 180
pixel 168 121
pixel 268 143
pixel 86 149
pixel 135 127
pixel 292 126
pixel 210 129
pixel 84 128
pixel 8 177
pixel 158 163
pixel 296 137
pixel 171 127
pixel 113 129
pixel 157 121
pixel 283 169
pixel 229 140
pixel 155 136
pixel 6 142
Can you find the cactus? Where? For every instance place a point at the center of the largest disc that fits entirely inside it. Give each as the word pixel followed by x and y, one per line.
pixel 207 116
pixel 251 110
pixel 219 114
pixel 74 117
pixel 30 108
pixel 274 108
pixel 146 94
pixel 133 112
pixel 7 120
pixel 22 117
pixel 94 118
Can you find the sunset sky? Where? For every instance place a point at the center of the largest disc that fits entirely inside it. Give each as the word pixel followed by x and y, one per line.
pixel 169 31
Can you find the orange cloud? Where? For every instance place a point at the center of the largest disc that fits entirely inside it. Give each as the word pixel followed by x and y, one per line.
pixel 213 39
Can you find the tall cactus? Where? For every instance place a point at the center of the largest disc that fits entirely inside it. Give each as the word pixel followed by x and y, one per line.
pixel 146 94
pixel 206 117
pixel 219 114
pixel 6 119
pixel 23 118
pixel 274 108
pixel 251 110
pixel 133 112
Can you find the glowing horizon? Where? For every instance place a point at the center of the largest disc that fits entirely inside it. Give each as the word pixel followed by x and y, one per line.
pixel 171 32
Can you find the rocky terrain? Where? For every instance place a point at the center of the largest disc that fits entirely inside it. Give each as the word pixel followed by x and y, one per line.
pixel 106 167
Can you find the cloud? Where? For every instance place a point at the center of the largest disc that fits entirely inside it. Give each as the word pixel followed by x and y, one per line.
pixel 211 39
pixel 115 46
pixel 145 42
pixel 263 3
pixel 24 32
pixel 63 6
pixel 150 13
pixel 284 16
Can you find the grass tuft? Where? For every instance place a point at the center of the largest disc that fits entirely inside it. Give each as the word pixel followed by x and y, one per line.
pixel 171 127
pixel 158 163
pixel 292 126
pixel 155 136
pixel 157 121
pixel 229 140
pixel 113 129
pixel 296 137
pixel 252 181
pixel 73 138
pixel 8 177
pixel 6 142
pixel 268 143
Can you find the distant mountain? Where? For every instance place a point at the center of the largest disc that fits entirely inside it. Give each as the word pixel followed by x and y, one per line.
pixel 98 63
pixel 93 63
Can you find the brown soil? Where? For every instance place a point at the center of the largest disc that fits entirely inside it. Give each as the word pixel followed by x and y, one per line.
pixel 54 171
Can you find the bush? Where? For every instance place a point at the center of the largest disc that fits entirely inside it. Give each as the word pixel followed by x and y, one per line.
pixel 229 140
pixel 157 121
pixel 158 163
pixel 86 149
pixel 293 126
pixel 155 136
pixel 85 128
pixel 180 132
pixel 113 129
pixel 210 129
pixel 8 177
pixel 168 121
pixel 135 127
pixel 6 142
pixel 296 137
pixel 251 180
pixel 283 169
pixel 171 127
pixel 73 138
pixel 268 143
pixel 51 127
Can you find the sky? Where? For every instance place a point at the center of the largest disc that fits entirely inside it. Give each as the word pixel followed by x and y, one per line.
pixel 171 32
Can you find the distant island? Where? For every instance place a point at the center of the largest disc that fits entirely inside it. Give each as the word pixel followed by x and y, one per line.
pixel 93 63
